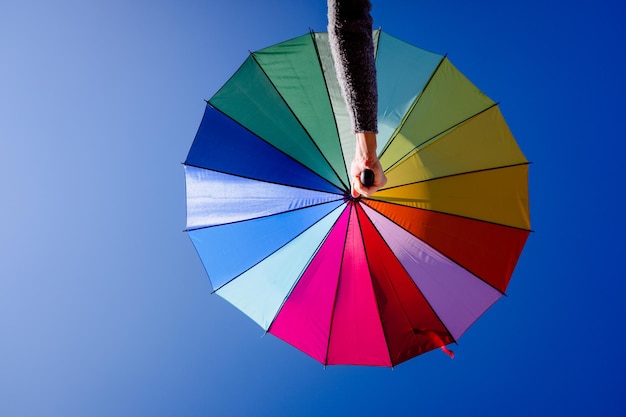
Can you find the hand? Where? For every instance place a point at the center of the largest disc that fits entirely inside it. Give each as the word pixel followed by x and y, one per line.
pixel 365 158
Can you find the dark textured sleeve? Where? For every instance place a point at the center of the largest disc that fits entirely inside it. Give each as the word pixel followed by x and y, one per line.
pixel 352 46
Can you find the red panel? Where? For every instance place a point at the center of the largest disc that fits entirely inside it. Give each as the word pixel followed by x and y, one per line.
pixel 410 325
pixel 487 250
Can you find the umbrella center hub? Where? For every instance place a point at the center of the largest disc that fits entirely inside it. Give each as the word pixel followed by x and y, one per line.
pixel 348 197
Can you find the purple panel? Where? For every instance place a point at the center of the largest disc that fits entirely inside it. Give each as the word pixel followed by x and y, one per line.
pixel 456 295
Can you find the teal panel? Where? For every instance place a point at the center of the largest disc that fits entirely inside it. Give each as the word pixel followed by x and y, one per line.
pixel 250 99
pixel 294 69
pixel 402 72
pixel 262 290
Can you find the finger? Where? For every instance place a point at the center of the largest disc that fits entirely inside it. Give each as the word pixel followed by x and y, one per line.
pixel 355 193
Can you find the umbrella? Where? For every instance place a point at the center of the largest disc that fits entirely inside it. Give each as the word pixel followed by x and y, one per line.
pixel 360 281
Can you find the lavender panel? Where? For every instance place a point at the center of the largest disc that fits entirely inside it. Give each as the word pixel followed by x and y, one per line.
pixel 456 295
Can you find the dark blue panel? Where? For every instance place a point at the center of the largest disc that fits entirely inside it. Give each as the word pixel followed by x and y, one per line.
pixel 223 145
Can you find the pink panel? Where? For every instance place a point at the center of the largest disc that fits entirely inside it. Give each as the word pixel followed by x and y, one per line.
pixel 356 332
pixel 304 319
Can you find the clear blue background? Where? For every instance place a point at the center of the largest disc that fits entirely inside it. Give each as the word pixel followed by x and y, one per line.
pixel 105 309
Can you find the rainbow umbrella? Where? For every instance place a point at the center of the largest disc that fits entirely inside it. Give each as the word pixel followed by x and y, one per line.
pixel 356 281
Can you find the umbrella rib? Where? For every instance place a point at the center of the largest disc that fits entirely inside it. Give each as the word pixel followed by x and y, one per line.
pixel 459 174
pixel 269 144
pixel 372 282
pixel 319 60
pixel 339 192
pixel 406 115
pixel 298 120
pixel 273 252
pixel 434 137
pixel 452 214
pixel 413 283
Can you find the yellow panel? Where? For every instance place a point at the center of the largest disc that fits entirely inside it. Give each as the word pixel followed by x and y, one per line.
pixel 482 142
pixel 497 195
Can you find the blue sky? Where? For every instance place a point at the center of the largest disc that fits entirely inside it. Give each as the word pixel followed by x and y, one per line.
pixel 105 309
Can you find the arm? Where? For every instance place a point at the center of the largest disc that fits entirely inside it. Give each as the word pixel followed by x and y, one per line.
pixel 350 36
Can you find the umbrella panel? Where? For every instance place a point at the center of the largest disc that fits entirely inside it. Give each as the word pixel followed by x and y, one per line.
pixel 498 195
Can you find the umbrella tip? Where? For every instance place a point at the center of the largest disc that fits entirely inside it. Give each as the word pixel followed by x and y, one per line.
pixel 448 352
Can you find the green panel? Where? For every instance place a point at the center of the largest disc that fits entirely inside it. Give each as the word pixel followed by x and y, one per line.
pixel 402 71
pixel 342 118
pixel 250 99
pixel 294 69
pixel 448 99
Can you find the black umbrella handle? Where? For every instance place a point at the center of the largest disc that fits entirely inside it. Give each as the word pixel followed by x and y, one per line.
pixel 367 178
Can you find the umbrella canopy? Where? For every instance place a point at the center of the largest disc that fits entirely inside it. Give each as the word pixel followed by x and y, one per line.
pixel 360 281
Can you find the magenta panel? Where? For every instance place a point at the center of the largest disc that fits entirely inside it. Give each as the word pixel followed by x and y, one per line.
pixel 304 320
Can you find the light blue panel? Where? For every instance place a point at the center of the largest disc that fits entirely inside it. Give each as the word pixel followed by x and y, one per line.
pixel 260 291
pixel 214 198
pixel 402 72
pixel 229 250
